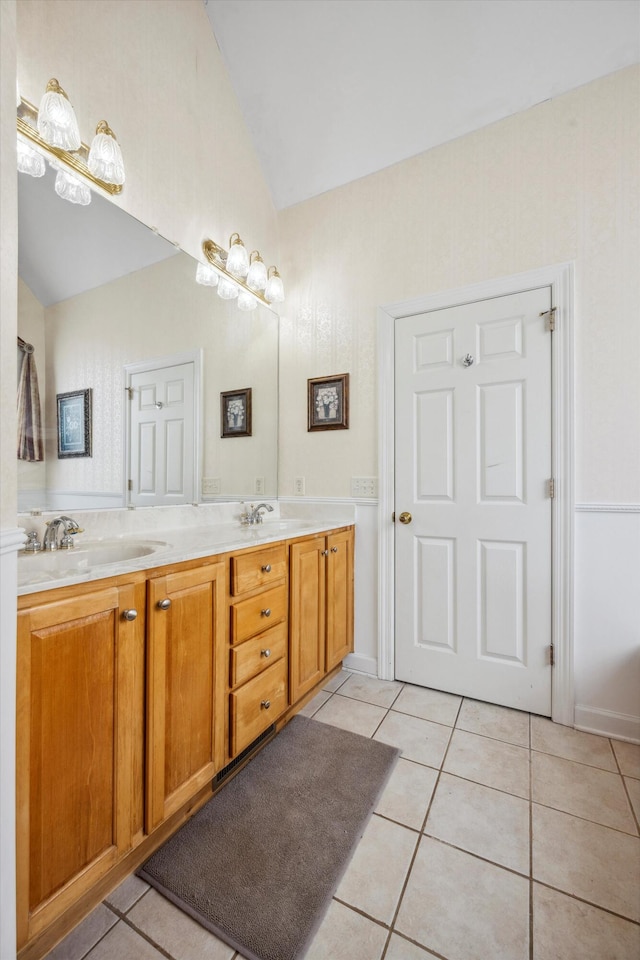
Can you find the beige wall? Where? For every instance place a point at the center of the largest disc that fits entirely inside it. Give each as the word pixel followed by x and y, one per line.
pixel 556 183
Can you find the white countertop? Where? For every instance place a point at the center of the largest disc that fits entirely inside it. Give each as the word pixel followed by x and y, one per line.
pixel 46 571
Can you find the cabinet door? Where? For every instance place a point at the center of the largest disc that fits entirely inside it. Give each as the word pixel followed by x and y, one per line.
pixel 306 615
pixel 79 714
pixel 186 663
pixel 339 597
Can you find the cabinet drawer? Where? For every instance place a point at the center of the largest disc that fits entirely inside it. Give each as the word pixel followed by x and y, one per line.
pixel 248 572
pixel 252 616
pixel 255 655
pixel 256 704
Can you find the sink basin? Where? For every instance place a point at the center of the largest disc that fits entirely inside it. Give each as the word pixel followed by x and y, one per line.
pixel 57 564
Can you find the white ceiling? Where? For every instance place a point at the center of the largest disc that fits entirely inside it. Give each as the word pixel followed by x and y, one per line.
pixel 332 90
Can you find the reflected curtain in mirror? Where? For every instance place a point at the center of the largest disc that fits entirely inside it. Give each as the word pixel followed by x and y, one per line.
pixel 30 444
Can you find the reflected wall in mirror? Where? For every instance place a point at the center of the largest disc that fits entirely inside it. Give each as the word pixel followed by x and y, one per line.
pixel 101 291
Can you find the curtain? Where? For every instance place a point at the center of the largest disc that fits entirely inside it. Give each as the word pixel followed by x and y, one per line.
pixel 30 444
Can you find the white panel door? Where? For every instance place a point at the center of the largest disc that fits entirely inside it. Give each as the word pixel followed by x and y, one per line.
pixel 473 463
pixel 162 435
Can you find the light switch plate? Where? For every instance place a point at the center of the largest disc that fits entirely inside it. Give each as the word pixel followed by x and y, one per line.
pixel 210 485
pixel 365 487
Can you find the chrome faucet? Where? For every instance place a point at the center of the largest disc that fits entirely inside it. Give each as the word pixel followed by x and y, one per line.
pixel 68 526
pixel 254 514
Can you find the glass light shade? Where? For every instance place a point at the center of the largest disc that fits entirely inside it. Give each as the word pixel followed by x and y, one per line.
pixel 105 157
pixel 237 259
pixel 71 188
pixel 29 160
pixel 257 276
pixel 227 290
pixel 246 301
pixel 206 275
pixel 274 292
pixel 57 122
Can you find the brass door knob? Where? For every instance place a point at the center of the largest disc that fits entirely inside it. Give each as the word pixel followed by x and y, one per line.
pixel 405 517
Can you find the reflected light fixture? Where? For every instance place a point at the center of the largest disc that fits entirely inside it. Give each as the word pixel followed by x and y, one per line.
pixel 249 289
pixel 52 132
pixel 206 275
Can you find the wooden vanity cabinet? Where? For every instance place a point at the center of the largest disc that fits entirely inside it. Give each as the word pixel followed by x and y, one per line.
pixel 79 747
pixel 185 685
pixel 258 633
pixel 320 607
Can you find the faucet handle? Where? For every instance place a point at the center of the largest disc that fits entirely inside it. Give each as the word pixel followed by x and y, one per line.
pixel 32 545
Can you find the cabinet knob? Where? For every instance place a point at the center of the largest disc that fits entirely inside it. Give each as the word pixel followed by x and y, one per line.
pixel 325 553
pixel 265 653
pixel 164 604
pixel 334 549
pixel 265 613
pixel 266 568
pixel 129 614
pixel 265 704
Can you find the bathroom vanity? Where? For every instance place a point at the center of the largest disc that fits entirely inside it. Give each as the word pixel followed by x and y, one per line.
pixel 140 691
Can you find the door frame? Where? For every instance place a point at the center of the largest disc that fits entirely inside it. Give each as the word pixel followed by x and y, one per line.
pixel 155 363
pixel 560 278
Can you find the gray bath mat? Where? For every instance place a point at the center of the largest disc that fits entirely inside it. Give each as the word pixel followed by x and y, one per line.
pixel 259 863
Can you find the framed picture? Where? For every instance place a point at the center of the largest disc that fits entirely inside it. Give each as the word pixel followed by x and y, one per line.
pixel 74 423
pixel 235 413
pixel 328 403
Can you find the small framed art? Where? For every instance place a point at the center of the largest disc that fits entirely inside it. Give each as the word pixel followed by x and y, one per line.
pixel 74 423
pixel 235 413
pixel 328 403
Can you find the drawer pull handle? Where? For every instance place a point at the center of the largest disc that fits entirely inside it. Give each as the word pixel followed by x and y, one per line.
pixel 265 613
pixel 265 704
pixel 334 549
pixel 129 614
pixel 266 568
pixel 325 553
pixel 164 604
pixel 265 653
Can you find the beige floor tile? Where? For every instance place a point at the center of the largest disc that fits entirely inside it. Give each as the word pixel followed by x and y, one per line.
pixel 380 692
pixel 590 861
pixel 85 936
pixel 549 737
pixel 628 756
pixel 123 943
pixel 384 853
pixel 336 682
pixel 347 935
pixel 568 929
pixel 128 893
pixel 401 949
pixel 581 790
pixel 314 705
pixel 362 718
pixel 176 932
pixel 428 704
pixel 408 793
pixel 633 789
pixel 489 720
pixel 484 821
pixel 494 763
pixel 420 740
pixel 461 907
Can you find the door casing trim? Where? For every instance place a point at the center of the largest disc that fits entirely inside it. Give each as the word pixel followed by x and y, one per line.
pixel 560 278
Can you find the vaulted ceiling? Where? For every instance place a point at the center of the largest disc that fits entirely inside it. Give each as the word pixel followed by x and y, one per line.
pixel 332 90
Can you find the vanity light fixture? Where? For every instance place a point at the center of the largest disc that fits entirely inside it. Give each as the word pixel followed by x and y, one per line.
pixel 206 275
pixel 249 290
pixel 52 132
pixel 237 258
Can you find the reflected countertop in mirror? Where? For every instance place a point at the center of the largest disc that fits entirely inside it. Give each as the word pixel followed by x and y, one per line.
pixel 97 291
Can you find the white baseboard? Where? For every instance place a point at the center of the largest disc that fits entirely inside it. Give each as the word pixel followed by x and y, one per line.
pixel 619 726
pixel 361 664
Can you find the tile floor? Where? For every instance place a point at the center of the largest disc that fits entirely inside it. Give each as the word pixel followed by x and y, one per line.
pixel 500 836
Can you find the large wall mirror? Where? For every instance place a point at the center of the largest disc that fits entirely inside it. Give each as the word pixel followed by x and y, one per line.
pixel 100 292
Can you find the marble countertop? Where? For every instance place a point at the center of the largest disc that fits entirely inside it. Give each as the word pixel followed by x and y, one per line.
pixel 46 571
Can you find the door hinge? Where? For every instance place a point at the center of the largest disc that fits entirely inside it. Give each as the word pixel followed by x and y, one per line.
pixel 129 484
pixel 129 390
pixel 552 488
pixel 551 318
pixel 552 656
pixel 393 517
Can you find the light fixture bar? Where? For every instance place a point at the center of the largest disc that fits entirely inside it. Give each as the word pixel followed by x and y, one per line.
pixel 76 160
pixel 217 257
